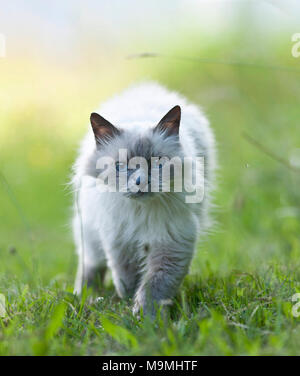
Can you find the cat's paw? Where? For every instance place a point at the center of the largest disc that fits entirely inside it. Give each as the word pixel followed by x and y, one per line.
pixel 136 310
pixel 144 308
pixel 150 309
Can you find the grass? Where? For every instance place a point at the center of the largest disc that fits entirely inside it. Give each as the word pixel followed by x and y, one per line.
pixel 237 298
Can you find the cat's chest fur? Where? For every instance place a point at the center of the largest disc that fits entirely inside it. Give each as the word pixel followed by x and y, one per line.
pixel 142 223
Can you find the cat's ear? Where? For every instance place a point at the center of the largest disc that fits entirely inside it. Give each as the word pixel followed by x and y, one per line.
pixel 169 124
pixel 102 128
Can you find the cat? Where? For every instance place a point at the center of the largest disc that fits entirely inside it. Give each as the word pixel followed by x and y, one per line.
pixel 146 238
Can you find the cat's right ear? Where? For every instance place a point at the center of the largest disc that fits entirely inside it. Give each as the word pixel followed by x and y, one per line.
pixel 169 124
pixel 103 129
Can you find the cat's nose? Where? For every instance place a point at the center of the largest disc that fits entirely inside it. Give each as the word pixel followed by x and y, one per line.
pixel 138 181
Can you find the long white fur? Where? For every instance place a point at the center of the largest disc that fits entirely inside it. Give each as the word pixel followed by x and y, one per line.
pixel 148 245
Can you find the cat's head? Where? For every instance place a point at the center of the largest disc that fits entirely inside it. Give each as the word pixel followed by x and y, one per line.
pixel 137 164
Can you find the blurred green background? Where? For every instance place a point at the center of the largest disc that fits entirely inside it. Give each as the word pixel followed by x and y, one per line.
pixel 233 58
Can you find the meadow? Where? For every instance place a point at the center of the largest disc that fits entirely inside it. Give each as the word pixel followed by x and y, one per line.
pixel 237 298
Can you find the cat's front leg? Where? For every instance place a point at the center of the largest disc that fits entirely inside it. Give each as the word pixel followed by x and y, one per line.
pixel 166 267
pixel 125 274
pixel 90 275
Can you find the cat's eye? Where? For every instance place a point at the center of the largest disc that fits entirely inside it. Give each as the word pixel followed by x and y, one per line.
pixel 121 166
pixel 157 163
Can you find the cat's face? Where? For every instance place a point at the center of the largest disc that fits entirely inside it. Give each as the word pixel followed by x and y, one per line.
pixel 137 165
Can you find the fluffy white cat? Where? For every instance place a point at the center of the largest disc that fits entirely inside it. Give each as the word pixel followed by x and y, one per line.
pixel 147 239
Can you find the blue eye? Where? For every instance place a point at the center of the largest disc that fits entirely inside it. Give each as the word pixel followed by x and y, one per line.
pixel 158 163
pixel 121 166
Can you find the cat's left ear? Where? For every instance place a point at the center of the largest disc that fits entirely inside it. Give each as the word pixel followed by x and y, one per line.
pixel 169 124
